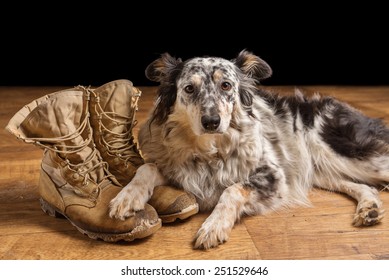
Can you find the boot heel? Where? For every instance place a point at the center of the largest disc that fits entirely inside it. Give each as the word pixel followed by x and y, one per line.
pixel 49 210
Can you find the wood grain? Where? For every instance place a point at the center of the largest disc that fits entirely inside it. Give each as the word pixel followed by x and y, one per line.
pixel 323 231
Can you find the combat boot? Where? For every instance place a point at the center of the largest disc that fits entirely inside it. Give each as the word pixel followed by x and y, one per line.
pixel 113 108
pixel 74 179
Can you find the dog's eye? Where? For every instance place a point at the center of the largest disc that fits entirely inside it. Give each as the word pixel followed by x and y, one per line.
pixel 225 86
pixel 189 89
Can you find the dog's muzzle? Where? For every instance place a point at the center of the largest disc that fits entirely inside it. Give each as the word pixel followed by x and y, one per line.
pixel 210 123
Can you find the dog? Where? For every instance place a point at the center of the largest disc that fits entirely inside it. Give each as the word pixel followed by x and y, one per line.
pixel 244 150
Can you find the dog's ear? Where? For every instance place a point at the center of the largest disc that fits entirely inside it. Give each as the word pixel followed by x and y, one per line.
pixel 253 66
pixel 161 68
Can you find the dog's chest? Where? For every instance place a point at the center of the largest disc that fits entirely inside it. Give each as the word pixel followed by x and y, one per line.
pixel 204 165
pixel 219 162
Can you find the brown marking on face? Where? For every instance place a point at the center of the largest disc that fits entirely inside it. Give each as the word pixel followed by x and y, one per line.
pixel 218 75
pixel 196 80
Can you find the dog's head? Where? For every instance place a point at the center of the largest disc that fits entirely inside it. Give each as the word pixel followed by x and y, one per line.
pixel 206 90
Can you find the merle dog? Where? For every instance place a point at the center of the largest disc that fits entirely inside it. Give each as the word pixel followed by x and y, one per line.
pixel 241 149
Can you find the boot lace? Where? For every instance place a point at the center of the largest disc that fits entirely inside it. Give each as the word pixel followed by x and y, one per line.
pixel 121 145
pixel 84 168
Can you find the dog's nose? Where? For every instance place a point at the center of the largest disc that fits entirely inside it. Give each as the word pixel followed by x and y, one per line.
pixel 210 122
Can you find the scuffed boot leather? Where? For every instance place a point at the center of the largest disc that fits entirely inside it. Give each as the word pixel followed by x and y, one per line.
pixel 113 107
pixel 74 180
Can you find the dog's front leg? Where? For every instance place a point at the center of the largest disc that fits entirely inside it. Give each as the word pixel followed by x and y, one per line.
pixel 217 227
pixel 265 189
pixel 135 194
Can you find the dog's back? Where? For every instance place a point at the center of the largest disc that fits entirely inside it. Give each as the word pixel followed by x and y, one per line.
pixel 322 140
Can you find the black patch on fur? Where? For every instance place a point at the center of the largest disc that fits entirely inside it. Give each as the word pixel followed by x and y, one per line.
pixel 167 94
pixel 294 106
pixel 194 97
pixel 263 181
pixel 246 99
pixel 354 135
pixel 307 113
pixel 183 101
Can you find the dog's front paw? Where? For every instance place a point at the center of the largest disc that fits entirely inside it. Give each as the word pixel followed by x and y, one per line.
pixel 211 234
pixel 126 203
pixel 368 213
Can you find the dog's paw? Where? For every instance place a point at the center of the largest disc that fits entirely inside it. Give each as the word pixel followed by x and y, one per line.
pixel 368 213
pixel 126 203
pixel 211 234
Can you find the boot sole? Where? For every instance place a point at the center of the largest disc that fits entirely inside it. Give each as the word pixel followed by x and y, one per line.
pixel 139 232
pixel 182 215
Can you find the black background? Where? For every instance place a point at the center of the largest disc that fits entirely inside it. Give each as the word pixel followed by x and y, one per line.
pixel 68 46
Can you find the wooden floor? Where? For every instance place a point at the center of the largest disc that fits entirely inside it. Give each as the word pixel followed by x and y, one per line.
pixel 321 232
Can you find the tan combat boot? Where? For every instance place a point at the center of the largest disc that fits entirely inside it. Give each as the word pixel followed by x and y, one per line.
pixel 74 180
pixel 113 107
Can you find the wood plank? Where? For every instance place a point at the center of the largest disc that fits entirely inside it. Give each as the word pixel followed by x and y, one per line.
pixel 27 233
pixel 319 232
